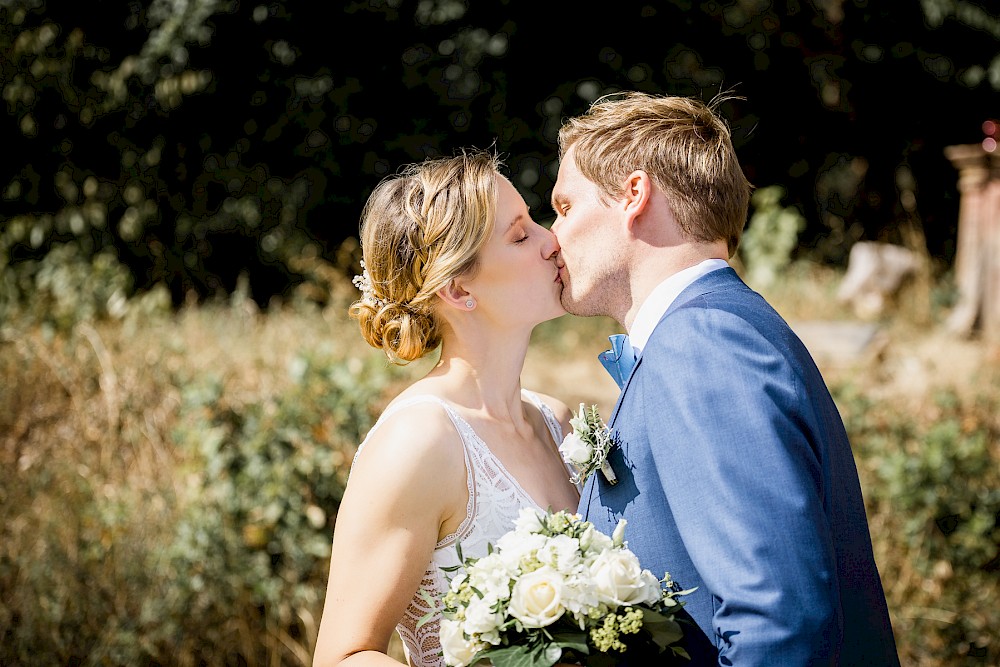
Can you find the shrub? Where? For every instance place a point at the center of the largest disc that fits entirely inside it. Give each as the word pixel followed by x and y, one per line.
pixel 771 237
pixel 168 494
pixel 932 482
pixel 263 483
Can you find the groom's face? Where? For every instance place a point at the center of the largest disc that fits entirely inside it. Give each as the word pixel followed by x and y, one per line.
pixel 589 248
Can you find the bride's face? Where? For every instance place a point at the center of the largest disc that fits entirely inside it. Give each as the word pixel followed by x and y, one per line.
pixel 518 280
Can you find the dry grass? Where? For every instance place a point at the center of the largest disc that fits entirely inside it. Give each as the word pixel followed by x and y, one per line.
pixel 98 399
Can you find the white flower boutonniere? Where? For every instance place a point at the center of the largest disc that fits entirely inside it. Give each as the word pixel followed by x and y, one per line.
pixel 588 446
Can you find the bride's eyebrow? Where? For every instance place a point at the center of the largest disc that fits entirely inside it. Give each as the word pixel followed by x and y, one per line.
pixel 517 218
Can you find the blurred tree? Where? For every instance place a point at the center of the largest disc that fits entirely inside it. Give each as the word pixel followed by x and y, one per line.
pixel 201 139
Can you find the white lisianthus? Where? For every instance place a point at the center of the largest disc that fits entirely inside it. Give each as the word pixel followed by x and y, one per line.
pixel 621 581
pixel 517 550
pixel 560 552
pixel 536 600
pixel 458 651
pixel 528 521
pixel 456 584
pixel 618 536
pixel 593 542
pixel 654 588
pixel 576 450
pixel 490 576
pixel 579 595
pixel 480 617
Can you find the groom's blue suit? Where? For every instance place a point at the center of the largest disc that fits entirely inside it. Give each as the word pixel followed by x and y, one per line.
pixel 736 477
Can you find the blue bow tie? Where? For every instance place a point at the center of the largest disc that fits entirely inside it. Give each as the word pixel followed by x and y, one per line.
pixel 619 360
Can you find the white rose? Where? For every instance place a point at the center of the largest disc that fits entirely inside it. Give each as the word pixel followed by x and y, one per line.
pixel 576 450
pixel 536 600
pixel 528 520
pixel 458 651
pixel 621 581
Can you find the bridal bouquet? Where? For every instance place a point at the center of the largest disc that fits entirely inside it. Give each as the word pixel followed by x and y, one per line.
pixel 557 590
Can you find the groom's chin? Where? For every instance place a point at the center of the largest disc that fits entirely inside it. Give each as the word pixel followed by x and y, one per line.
pixel 575 306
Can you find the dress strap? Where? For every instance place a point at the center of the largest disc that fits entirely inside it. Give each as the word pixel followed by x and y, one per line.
pixel 406 403
pixel 555 428
pixel 463 432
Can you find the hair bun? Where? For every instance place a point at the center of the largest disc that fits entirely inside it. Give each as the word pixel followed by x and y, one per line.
pixel 399 331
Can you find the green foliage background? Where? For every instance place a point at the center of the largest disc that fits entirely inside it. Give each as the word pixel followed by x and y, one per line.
pixel 181 393
pixel 200 140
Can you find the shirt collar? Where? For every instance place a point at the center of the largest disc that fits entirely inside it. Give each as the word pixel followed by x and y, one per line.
pixel 659 300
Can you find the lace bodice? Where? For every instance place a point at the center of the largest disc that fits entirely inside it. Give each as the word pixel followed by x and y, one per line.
pixel 495 498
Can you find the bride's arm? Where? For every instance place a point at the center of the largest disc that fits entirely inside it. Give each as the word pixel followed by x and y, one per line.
pixel 408 481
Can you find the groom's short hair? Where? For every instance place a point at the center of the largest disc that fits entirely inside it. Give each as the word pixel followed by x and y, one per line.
pixel 683 145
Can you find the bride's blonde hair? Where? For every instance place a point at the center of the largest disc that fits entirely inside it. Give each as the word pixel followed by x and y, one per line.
pixel 420 229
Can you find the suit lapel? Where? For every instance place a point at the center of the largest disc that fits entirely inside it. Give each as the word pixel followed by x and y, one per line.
pixel 712 281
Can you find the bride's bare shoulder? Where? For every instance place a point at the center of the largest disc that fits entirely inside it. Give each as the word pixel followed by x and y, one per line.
pixel 558 407
pixel 415 432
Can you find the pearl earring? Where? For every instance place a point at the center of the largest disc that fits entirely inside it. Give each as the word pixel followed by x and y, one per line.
pixel 470 303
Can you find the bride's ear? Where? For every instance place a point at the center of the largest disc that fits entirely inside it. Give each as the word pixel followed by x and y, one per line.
pixel 456 296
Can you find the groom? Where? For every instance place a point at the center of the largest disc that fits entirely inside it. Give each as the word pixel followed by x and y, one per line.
pixel 734 470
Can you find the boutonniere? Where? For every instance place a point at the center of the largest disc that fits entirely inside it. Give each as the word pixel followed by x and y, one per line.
pixel 588 446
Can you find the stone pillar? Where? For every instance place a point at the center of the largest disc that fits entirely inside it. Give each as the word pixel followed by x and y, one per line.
pixel 977 259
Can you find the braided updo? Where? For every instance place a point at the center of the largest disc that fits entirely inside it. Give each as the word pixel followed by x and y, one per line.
pixel 420 229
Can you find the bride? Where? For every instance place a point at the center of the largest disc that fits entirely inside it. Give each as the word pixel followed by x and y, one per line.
pixel 453 259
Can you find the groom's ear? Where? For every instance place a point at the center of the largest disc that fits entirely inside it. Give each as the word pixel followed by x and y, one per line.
pixel 638 193
pixel 454 294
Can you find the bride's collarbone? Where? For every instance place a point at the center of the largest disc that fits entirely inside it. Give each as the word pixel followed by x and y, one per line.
pixel 534 463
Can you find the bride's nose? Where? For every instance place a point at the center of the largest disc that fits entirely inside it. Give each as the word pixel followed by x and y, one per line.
pixel 550 246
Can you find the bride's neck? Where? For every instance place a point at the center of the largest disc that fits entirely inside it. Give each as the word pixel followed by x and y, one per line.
pixel 483 372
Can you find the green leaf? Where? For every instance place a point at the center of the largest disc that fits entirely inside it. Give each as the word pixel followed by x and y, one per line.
pixel 574 641
pixel 520 655
pixel 664 631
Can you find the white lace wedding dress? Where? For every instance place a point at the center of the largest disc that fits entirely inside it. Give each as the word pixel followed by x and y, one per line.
pixel 495 498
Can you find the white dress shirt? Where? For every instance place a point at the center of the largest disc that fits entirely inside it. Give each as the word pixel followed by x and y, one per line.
pixel 659 300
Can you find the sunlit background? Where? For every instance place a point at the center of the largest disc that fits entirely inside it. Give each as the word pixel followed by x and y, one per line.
pixel 181 391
